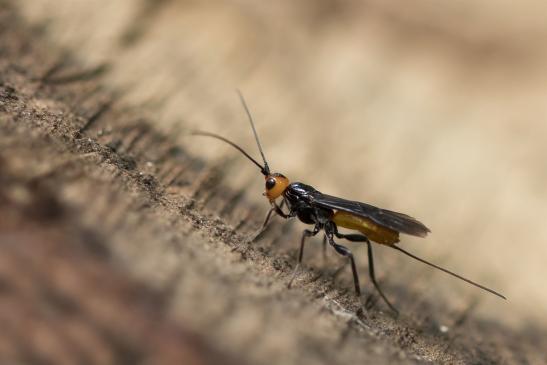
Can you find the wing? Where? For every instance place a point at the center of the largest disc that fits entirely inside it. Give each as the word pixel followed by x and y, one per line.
pixel 397 221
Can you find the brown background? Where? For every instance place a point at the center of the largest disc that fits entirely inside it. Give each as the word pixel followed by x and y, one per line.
pixel 433 109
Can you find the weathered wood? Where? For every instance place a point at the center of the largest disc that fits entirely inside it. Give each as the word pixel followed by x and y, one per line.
pixel 112 249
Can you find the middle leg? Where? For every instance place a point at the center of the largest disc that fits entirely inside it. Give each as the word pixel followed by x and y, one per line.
pixel 307 233
pixel 344 251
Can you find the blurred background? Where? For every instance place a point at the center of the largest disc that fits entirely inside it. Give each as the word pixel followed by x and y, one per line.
pixel 435 109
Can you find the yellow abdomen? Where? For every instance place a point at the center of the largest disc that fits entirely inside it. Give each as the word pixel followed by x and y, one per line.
pixel 367 227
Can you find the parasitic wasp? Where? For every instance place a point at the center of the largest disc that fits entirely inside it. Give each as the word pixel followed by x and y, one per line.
pixel 326 213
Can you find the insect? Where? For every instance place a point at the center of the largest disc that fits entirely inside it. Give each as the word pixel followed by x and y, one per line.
pixel 327 213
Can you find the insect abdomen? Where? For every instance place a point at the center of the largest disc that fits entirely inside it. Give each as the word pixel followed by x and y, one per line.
pixel 367 227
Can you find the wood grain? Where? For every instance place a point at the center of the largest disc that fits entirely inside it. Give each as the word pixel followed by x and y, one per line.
pixel 118 245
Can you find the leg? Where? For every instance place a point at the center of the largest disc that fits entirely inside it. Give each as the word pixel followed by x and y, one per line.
pixel 274 208
pixel 324 248
pixel 344 251
pixel 264 225
pixel 307 233
pixel 278 209
pixel 361 238
pixel 373 277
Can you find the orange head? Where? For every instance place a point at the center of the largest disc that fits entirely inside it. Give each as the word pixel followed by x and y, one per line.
pixel 275 185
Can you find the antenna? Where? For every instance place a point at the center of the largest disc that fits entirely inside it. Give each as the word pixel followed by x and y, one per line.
pixel 266 168
pixel 207 134
pixel 449 272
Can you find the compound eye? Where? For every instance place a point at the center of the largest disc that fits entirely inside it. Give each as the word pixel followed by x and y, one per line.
pixel 270 183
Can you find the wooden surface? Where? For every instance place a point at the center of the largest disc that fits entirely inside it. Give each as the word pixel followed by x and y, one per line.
pixel 119 245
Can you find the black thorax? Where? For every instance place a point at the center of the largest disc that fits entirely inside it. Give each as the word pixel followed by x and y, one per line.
pixel 299 197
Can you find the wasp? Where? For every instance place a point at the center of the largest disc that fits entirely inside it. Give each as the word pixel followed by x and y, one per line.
pixel 326 213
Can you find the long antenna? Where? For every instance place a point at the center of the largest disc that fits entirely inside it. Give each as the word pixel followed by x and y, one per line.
pixel 449 272
pixel 266 168
pixel 207 134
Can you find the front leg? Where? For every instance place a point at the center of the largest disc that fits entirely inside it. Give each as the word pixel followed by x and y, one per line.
pixel 278 209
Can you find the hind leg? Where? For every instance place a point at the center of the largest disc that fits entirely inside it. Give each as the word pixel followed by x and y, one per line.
pixel 362 238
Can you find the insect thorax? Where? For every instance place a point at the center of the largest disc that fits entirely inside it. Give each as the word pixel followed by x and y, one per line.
pixel 298 198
